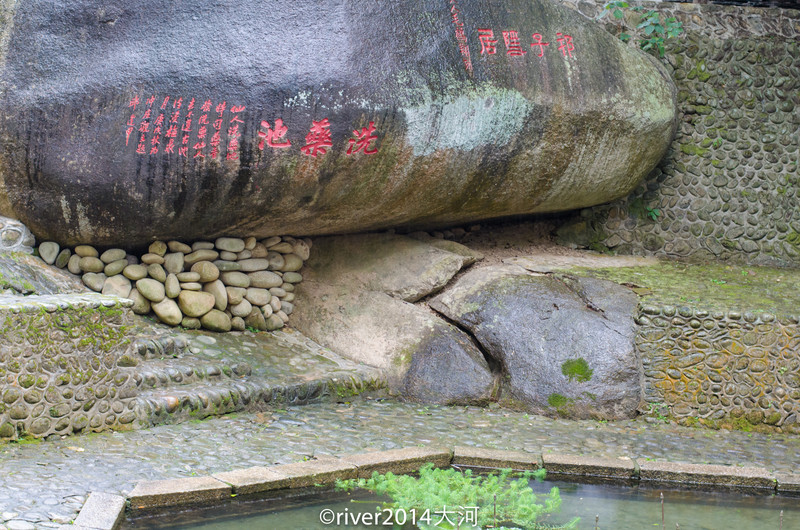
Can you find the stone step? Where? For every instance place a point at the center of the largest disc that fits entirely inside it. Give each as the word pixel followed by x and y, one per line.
pixel 166 345
pixel 180 404
pixel 188 370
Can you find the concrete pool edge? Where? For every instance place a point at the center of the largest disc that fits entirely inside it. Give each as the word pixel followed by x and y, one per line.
pixel 105 511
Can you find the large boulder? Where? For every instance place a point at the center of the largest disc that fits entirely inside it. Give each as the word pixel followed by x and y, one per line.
pixel 353 300
pixel 565 344
pixel 142 119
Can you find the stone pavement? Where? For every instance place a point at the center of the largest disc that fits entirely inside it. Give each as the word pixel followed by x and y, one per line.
pixel 46 483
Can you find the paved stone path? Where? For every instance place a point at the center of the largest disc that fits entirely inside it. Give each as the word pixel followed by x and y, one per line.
pixel 44 484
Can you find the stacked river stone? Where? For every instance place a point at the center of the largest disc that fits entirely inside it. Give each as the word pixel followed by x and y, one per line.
pixel 229 284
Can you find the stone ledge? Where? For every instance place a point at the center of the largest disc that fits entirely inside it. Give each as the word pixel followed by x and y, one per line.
pixel 253 480
pixel 495 458
pixel 561 464
pixel 312 472
pixel 102 511
pixel 398 461
pixel 788 482
pixel 55 302
pixel 751 477
pixel 175 492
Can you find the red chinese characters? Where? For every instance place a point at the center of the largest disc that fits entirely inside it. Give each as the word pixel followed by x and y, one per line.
pixel 537 41
pixel 166 127
pixel 565 44
pixel 233 133
pixel 488 42
pixel 318 139
pixel 362 140
pixel 274 137
pixel 461 36
pixel 513 46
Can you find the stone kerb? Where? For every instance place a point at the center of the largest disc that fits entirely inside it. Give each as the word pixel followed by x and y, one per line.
pixel 63 365
pixel 722 369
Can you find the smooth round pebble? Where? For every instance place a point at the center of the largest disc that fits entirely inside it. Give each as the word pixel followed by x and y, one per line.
pixel 117 285
pixel 190 323
pixel 276 260
pixel 63 258
pixel 300 248
pixel 245 254
pixel 167 310
pixel 48 251
pixel 263 279
pixel 94 280
pixel 274 322
pixel 242 309
pixel 157 272
pixel 257 296
pixel 192 286
pixel 292 277
pixel 91 264
pixel 253 265
pixel 231 244
pixel 141 305
pixel 135 272
pixel 250 243
pixel 190 276
pixel 177 246
pixel 237 324
pixel 195 303
pixel 217 289
pixel 115 267
pixel 157 247
pixel 151 289
pixel 226 266
pixel 112 254
pixel 259 251
pixel 86 251
pixel 172 287
pixel 271 241
pixel 227 256
pixel 200 255
pixel 202 245
pixel 235 294
pixel 277 291
pixel 235 279
pixel 173 262
pixel 216 320
pixel 151 259
pixel 283 248
pixel 256 320
pixel 293 263
pixel 73 265
pixel 208 271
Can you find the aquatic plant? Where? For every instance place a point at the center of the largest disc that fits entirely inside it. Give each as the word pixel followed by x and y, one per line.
pixel 486 501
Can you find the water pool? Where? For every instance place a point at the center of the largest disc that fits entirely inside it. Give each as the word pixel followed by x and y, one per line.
pixel 619 508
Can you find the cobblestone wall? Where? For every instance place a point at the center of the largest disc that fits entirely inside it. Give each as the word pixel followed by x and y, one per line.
pixel 721 369
pixel 728 187
pixel 63 366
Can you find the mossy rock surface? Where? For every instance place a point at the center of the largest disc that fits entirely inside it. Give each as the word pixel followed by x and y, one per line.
pixel 711 286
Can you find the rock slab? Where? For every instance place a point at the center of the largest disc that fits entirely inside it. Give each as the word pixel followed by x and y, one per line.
pixel 565 343
pixel 349 122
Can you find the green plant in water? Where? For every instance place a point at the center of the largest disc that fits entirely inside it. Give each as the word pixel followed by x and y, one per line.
pixel 500 501
pixel 651 30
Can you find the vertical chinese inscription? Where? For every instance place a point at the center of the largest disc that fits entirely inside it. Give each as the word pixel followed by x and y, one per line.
pixel 461 35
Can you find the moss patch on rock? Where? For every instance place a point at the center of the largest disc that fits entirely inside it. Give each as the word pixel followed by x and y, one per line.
pixel 710 286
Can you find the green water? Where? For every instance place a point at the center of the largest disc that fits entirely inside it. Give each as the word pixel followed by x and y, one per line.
pixel 618 508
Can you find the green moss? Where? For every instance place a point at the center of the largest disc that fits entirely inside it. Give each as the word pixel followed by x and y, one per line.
pixel 708 286
pixel 577 370
pixel 694 150
pixel 557 401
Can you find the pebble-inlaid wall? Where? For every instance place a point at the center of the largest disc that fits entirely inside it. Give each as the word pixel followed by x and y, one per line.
pixel 739 370
pixel 63 366
pixel 729 187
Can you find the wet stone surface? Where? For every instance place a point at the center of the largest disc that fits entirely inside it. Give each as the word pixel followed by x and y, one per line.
pixel 46 482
